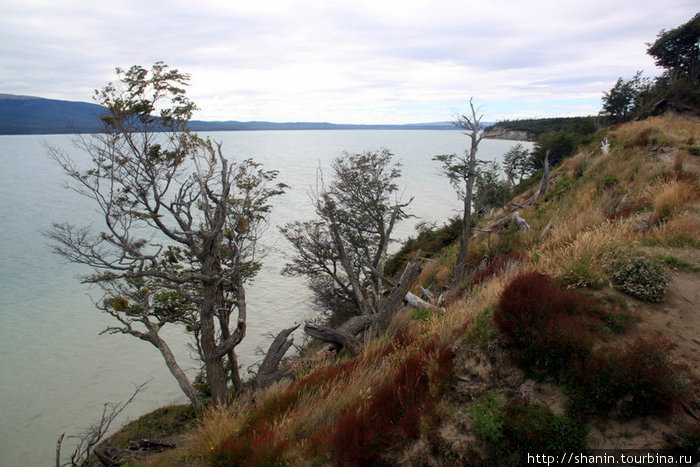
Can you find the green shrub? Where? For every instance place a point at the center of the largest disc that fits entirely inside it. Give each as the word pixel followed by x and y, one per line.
pixel 421 315
pixel 483 331
pixel 547 325
pixel 676 262
pixel 560 187
pixel 487 418
pixel 640 277
pixel 510 429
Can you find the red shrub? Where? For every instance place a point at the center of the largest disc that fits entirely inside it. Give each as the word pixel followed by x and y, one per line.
pixel 393 413
pixel 255 444
pixel 524 304
pixel 263 448
pixel 548 325
pixel 655 382
pixel 679 175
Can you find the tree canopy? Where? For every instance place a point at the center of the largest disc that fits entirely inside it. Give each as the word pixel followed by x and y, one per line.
pixel 678 51
pixel 180 223
pixel 343 251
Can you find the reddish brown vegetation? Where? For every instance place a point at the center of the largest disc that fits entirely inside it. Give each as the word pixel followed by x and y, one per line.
pixel 679 175
pixel 548 325
pixel 370 428
pixel 644 138
pixel 367 430
pixel 499 265
pixel 256 444
pixel 553 330
pixel 634 379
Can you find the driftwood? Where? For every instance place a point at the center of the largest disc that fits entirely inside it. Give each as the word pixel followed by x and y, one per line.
pixel 417 302
pixel 427 294
pixel 269 371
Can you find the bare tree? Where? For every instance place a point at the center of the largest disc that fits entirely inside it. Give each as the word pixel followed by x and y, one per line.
pixel 91 437
pixel 461 171
pixel 344 250
pixel 180 223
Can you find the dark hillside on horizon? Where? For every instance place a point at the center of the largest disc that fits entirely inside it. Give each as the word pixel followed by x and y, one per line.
pixel 29 115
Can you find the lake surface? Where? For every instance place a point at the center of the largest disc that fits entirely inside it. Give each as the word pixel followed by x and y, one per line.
pixel 56 371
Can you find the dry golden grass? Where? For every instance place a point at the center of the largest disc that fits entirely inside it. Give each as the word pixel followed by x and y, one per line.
pixel 669 198
pixel 681 231
pixel 577 163
pixel 458 314
pixel 585 260
pixel 216 425
pixel 311 411
pixel 434 275
pixel 583 212
pixel 661 131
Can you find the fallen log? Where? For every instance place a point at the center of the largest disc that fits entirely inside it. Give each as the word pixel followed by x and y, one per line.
pixel 138 450
pixel 417 302
pixel 353 326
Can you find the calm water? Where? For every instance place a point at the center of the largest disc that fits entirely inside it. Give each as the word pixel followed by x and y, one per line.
pixel 56 371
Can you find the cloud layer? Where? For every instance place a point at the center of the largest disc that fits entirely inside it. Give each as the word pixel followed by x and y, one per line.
pixel 367 61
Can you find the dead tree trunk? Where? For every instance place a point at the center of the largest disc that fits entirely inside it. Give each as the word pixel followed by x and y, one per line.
pixel 344 336
pixel 336 336
pixel 544 183
pixel 398 295
pixel 521 223
pixel 353 326
pixel 269 372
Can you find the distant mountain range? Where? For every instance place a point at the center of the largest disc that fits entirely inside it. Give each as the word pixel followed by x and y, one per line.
pixel 28 115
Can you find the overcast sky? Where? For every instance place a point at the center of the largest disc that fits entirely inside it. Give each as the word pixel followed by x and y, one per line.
pixel 352 61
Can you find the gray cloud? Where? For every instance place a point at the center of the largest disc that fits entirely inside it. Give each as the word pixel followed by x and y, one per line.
pixel 340 61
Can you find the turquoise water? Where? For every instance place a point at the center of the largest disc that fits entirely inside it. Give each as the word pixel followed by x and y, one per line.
pixel 56 371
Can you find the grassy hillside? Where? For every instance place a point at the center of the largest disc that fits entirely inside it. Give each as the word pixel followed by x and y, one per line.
pixel 580 333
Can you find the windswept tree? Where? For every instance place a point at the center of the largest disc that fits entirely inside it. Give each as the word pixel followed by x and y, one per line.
pixel 461 171
pixel 180 223
pixel 490 188
pixel 343 251
pixel 678 51
pixel 516 164
pixel 623 98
